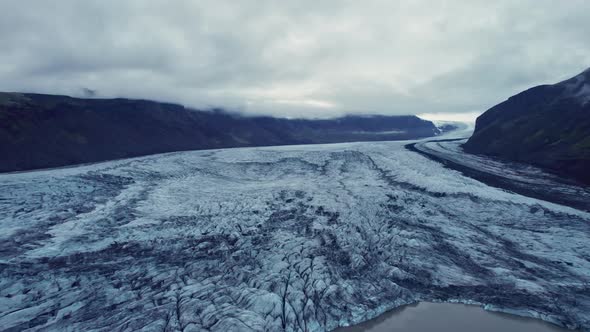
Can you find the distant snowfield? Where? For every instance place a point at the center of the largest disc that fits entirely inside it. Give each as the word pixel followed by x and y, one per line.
pixel 296 238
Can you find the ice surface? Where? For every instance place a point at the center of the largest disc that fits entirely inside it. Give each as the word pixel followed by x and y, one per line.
pixel 518 177
pixel 298 238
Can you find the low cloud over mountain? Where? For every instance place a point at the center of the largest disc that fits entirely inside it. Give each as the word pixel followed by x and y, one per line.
pixel 296 59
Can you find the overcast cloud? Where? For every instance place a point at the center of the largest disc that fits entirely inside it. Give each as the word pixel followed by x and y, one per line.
pixel 296 58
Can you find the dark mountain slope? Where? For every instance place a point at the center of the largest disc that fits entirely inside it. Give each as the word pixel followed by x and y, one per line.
pixel 548 126
pixel 39 131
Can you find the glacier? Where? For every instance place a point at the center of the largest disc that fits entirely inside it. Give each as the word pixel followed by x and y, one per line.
pixel 294 238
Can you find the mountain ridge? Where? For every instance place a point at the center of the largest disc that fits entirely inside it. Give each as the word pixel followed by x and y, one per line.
pixel 44 131
pixel 547 126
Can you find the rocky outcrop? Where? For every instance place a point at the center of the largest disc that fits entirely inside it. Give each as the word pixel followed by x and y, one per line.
pixel 548 126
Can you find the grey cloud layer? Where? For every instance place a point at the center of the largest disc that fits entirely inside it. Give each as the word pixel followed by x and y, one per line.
pixel 304 58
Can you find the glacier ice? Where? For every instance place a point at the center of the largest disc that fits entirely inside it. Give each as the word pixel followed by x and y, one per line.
pixel 296 238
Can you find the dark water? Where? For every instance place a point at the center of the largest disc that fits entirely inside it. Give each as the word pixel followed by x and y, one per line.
pixel 448 317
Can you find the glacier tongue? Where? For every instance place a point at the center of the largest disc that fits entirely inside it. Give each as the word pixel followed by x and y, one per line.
pixel 300 238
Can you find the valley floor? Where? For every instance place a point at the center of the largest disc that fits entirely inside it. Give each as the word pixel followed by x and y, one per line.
pixel 298 238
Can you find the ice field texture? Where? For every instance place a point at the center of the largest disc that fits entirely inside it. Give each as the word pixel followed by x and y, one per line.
pixel 299 238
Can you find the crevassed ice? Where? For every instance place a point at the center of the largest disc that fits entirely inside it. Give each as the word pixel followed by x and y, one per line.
pixel 292 238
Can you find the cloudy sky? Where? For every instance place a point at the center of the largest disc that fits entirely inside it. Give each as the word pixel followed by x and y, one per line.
pixel 305 58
